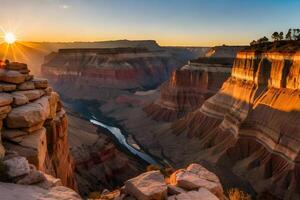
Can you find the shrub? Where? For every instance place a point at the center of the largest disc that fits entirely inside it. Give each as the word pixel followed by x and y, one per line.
pixel 152 168
pixel 94 195
pixel 236 194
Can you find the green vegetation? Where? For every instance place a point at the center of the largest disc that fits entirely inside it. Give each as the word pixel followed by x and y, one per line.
pixel 292 34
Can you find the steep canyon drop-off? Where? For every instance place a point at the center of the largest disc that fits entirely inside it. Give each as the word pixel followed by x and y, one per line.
pixel 250 126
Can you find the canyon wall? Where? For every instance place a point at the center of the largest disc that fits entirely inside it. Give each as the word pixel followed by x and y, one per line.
pixel 34 123
pixel 252 124
pixel 192 84
pixel 33 53
pixel 89 70
pixel 187 89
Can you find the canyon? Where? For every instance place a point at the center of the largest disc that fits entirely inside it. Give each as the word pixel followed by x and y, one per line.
pixel 227 119
pixel 44 153
pixel 239 122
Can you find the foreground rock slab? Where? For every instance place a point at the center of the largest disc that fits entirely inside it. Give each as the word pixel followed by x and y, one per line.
pixel 148 186
pixel 194 177
pixel 28 115
pixel 10 191
pixel 202 194
pixel 17 166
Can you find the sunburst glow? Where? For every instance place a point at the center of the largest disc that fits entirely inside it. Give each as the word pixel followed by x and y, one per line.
pixel 9 38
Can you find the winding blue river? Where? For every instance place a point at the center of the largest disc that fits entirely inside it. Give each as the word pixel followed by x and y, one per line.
pixel 117 133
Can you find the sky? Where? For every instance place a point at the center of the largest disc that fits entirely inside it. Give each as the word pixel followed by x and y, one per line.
pixel 169 22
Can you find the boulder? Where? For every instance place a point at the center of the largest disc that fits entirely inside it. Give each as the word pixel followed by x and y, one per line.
pixel 174 190
pixel 201 194
pixel 195 177
pixel 202 172
pixel 50 182
pixel 19 99
pixel 40 83
pixel 13 135
pixel 11 191
pixel 13 77
pixel 28 77
pixel 147 186
pixel 28 85
pixel 37 142
pixel 33 177
pixel 31 94
pixel 16 66
pixel 28 115
pixel 24 71
pixel 7 87
pixel 17 166
pixel 33 128
pixel 4 110
pixel 5 99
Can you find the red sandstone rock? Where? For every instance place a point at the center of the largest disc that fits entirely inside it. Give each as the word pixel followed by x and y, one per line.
pixel 147 186
pixel 186 90
pixel 251 123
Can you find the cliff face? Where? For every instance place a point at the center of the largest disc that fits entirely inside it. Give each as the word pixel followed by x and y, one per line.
pixel 224 51
pixel 186 90
pixel 122 68
pixel 33 53
pixel 33 122
pixel 252 124
pixel 191 85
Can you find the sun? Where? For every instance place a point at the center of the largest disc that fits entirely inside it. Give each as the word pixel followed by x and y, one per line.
pixel 10 38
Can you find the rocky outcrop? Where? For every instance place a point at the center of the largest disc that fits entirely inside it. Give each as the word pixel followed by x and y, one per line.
pixel 24 181
pixel 251 124
pixel 33 122
pixel 194 182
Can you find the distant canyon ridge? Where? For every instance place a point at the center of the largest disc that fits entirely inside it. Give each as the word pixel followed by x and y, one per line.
pixel 33 53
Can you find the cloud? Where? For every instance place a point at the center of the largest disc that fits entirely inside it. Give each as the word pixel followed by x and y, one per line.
pixel 65 6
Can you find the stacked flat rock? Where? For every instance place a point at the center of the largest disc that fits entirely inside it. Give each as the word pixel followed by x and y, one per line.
pixel 26 104
pixel 193 183
pixel 24 181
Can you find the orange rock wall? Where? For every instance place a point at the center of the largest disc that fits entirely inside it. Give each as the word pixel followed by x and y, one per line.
pixel 186 90
pixel 252 123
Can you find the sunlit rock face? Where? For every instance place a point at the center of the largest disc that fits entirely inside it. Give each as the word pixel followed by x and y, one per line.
pixel 191 85
pixel 121 68
pixel 187 89
pixel 33 122
pixel 252 124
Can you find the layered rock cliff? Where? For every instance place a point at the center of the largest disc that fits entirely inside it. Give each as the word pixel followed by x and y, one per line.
pixel 121 68
pixel 33 122
pixel 191 85
pixel 251 124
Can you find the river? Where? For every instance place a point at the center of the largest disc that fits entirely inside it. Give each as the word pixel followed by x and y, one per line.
pixel 88 110
pixel 117 134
